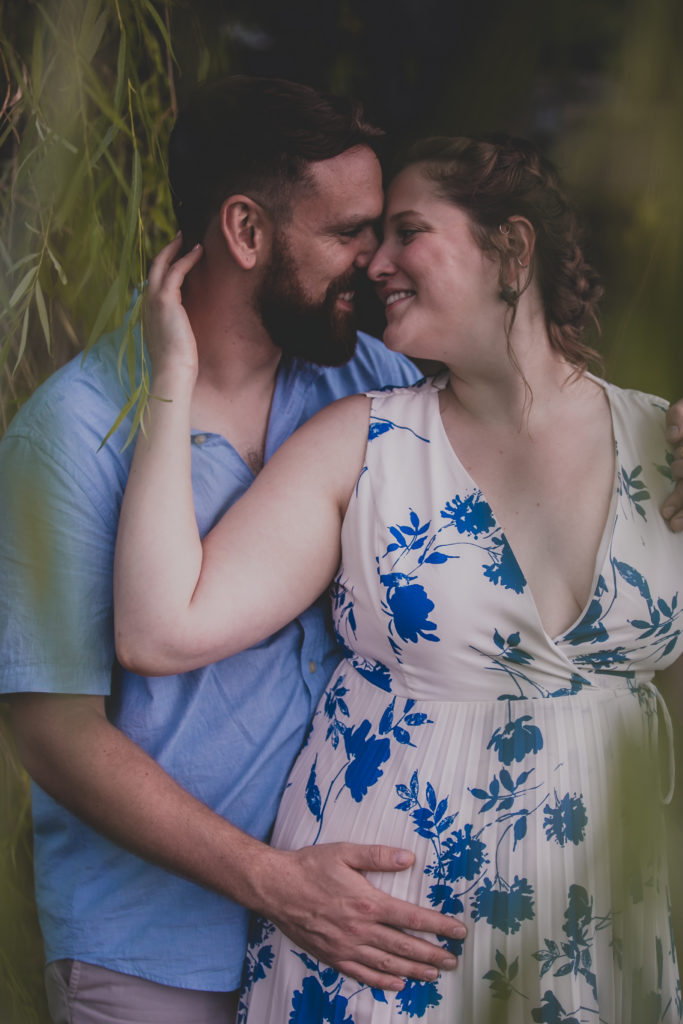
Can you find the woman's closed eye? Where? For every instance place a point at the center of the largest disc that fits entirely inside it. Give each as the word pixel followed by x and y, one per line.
pixel 406 235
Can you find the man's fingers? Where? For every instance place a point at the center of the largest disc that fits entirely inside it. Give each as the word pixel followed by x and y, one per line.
pixel 674 421
pixel 403 915
pixel 672 509
pixel 376 965
pixel 376 857
pixel 676 524
pixel 366 976
pixel 395 912
pixel 394 952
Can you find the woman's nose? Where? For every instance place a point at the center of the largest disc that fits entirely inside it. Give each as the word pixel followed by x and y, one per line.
pixel 380 265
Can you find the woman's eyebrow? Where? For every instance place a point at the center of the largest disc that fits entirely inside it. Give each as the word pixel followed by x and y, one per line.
pixel 404 213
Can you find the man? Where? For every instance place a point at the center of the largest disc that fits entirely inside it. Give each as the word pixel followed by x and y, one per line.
pixel 152 797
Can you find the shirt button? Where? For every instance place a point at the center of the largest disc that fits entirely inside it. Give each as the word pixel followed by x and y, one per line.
pixel 198 438
pixel 312 667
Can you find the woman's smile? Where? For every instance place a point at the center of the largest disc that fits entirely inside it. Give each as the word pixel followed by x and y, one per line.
pixel 393 297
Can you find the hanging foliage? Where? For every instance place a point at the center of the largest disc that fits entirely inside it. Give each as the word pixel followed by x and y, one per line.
pixel 88 104
pixel 87 101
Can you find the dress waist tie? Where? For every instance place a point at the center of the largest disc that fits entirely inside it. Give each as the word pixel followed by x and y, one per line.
pixel 666 718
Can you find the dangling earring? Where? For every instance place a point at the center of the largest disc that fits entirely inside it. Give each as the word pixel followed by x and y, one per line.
pixel 509 295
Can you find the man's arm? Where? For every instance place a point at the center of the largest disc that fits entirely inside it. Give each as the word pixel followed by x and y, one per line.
pixel 672 509
pixel 60 497
pixel 318 896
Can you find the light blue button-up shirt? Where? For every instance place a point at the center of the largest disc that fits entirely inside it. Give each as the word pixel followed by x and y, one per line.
pixel 227 733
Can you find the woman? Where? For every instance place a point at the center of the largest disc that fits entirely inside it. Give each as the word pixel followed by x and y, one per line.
pixel 505 592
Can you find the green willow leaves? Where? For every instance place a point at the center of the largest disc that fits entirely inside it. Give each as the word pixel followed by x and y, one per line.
pixel 88 104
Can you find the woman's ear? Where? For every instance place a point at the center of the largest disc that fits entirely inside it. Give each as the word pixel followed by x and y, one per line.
pixel 516 250
pixel 244 226
pixel 522 239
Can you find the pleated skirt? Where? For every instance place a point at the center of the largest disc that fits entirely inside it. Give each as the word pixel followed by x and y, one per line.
pixel 537 822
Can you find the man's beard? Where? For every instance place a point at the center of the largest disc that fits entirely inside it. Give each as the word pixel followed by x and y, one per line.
pixel 318 332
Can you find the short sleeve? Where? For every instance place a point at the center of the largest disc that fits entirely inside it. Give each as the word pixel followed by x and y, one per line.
pixel 56 561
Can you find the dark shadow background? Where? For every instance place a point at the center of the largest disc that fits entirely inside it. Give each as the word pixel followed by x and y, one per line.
pixel 597 83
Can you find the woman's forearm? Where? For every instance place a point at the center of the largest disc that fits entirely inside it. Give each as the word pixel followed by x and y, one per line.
pixel 159 553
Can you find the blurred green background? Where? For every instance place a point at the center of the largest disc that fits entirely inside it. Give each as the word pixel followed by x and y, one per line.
pixel 88 92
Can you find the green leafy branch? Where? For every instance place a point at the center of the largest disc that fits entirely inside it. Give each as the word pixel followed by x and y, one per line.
pixel 83 136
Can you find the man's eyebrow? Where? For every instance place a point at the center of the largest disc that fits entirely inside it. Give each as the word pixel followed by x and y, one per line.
pixel 353 223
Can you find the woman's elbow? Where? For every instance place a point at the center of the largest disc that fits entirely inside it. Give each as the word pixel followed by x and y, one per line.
pixel 144 653
pixel 170 645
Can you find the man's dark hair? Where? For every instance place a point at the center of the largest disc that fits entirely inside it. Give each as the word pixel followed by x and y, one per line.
pixel 255 136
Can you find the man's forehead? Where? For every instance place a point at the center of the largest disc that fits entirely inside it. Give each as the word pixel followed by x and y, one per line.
pixel 349 182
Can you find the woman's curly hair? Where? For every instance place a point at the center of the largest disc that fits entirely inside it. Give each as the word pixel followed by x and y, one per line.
pixel 496 177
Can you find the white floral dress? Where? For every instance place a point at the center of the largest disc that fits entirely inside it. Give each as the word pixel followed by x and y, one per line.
pixel 523 770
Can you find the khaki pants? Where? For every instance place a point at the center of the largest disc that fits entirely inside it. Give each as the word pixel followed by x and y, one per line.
pixel 80 993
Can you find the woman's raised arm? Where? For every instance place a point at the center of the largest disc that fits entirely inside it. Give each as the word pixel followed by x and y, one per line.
pixel 181 603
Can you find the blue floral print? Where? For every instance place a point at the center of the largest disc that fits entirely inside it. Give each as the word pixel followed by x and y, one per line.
pixel 504 568
pixel 551 1011
pixel 417 996
pixel 504 907
pixel 458 856
pixel 456 727
pixel 572 956
pixel 374 671
pixel 511 659
pixel 311 1004
pixel 516 739
pixel 463 855
pixel 365 753
pixel 408 608
pixel 502 980
pixel 258 960
pixel 566 821
pixel 470 515
pixel 380 425
pixel 665 468
pixel 396 727
pixel 336 705
pixel 575 955
pixel 655 623
pixel 634 489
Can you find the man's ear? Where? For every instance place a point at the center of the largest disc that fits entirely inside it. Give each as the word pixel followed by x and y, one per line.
pixel 245 228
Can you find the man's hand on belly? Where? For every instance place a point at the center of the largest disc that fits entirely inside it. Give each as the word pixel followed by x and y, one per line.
pixel 320 898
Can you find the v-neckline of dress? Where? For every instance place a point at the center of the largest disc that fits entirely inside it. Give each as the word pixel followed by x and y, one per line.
pixel 439 431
